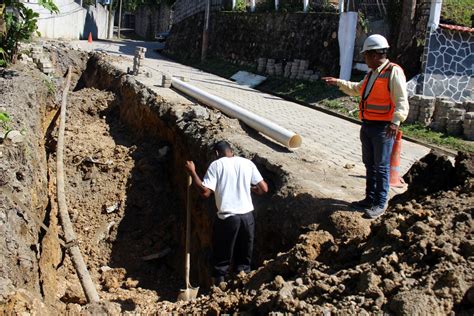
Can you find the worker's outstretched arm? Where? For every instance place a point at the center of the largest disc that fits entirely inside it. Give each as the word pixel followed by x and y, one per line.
pixel 348 87
pixel 191 169
pixel 260 188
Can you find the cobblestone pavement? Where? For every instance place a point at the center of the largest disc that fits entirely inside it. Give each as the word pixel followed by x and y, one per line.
pixel 325 137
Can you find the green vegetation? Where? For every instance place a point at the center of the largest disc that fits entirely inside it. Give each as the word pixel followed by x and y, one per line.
pixel 132 5
pixel 21 24
pixel 293 6
pixel 240 6
pixel 301 90
pixel 458 11
pixel 341 107
pixel 48 81
pixel 218 67
pixel 420 132
pixel 5 122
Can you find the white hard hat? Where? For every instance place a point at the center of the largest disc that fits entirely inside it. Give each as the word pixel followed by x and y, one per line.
pixel 375 41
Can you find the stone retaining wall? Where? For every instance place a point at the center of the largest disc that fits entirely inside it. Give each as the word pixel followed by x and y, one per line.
pixel 245 37
pixel 443 115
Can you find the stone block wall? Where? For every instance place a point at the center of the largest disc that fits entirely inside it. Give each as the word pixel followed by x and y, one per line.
pixel 245 37
pixel 448 66
pixel 305 36
pixel 443 115
pixel 151 20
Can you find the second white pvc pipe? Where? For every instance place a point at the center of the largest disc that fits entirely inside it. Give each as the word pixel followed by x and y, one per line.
pixel 263 125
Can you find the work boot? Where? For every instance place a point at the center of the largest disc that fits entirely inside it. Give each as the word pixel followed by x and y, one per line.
pixel 376 211
pixel 362 205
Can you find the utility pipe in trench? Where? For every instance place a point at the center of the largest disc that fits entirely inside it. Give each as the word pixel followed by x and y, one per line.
pixel 263 125
pixel 69 235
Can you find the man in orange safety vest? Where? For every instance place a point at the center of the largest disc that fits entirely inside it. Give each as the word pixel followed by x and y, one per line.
pixel 382 107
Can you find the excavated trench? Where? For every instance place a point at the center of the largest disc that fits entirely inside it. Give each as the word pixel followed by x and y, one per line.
pixel 126 188
pixel 163 136
pixel 125 150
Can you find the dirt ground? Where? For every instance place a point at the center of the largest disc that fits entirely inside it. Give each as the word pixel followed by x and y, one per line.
pixel 418 258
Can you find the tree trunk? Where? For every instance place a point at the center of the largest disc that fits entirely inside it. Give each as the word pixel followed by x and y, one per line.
pixel 407 24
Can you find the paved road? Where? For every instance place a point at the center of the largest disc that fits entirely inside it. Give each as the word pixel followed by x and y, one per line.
pixel 324 136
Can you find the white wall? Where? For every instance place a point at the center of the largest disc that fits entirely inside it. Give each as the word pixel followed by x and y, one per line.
pixel 97 21
pixel 68 23
pixel 72 21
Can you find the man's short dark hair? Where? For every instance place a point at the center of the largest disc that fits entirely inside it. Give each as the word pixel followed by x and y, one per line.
pixel 222 146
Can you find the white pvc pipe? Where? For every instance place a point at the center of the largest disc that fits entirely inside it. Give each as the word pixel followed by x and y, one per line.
pixel 277 5
pixel 252 6
pixel 305 5
pixel 263 125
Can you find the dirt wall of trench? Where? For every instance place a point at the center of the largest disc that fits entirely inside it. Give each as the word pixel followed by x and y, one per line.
pixel 24 200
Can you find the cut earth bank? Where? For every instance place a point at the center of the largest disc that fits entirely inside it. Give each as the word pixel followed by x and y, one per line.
pixel 125 149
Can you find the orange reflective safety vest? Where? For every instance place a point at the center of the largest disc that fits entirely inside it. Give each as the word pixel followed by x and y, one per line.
pixel 377 105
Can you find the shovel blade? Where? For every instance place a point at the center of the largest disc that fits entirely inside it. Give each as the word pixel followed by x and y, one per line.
pixel 188 294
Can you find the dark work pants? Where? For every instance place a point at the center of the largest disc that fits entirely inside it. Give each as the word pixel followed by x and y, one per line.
pixel 233 240
pixel 376 151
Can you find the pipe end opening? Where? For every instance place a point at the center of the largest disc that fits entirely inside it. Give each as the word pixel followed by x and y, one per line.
pixel 295 141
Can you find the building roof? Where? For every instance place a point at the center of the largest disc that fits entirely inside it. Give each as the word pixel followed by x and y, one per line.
pixel 457 28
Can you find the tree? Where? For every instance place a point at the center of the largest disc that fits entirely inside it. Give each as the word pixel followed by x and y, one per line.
pixel 21 24
pixel 132 5
pixel 407 23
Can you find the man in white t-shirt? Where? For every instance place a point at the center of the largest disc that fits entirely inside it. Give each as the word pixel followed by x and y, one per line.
pixel 231 179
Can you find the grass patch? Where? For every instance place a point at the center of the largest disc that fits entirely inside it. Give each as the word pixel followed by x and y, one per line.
pixel 220 67
pixel 458 11
pixel 348 108
pixel 301 90
pixel 420 132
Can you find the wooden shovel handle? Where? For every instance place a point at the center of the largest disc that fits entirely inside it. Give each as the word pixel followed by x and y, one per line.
pixel 187 266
